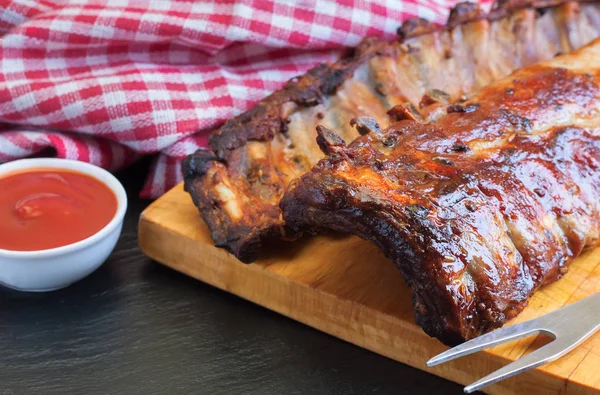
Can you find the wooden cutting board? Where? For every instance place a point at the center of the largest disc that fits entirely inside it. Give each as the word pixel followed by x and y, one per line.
pixel 345 287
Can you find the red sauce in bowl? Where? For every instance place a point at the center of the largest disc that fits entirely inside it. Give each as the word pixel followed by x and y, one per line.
pixel 48 208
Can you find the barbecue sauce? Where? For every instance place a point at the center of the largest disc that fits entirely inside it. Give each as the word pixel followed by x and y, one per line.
pixel 48 208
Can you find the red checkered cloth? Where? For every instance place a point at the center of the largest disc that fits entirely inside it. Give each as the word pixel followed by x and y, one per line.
pixel 109 81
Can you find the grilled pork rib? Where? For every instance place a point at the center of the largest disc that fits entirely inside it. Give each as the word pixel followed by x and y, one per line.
pixel 238 183
pixel 478 208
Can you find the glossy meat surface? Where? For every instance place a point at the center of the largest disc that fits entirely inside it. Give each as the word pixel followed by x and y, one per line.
pixel 479 207
pixel 238 183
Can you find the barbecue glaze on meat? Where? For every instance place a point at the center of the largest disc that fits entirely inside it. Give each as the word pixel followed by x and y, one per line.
pixel 238 183
pixel 478 208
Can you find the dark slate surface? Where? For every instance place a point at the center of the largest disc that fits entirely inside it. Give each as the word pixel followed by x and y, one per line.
pixel 135 327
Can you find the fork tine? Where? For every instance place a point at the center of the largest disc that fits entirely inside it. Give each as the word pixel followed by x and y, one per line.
pixel 499 336
pixel 549 352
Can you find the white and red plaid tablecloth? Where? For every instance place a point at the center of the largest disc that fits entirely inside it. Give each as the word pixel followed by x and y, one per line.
pixel 109 81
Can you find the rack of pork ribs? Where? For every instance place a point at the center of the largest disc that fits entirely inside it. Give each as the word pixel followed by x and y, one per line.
pixel 430 75
pixel 478 207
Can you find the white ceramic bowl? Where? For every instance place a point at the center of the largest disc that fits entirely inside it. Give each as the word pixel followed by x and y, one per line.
pixel 47 270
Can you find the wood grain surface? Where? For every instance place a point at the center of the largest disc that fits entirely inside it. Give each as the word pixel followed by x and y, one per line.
pixel 346 287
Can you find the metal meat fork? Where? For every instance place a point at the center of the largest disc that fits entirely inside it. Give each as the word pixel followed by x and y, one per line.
pixel 569 326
